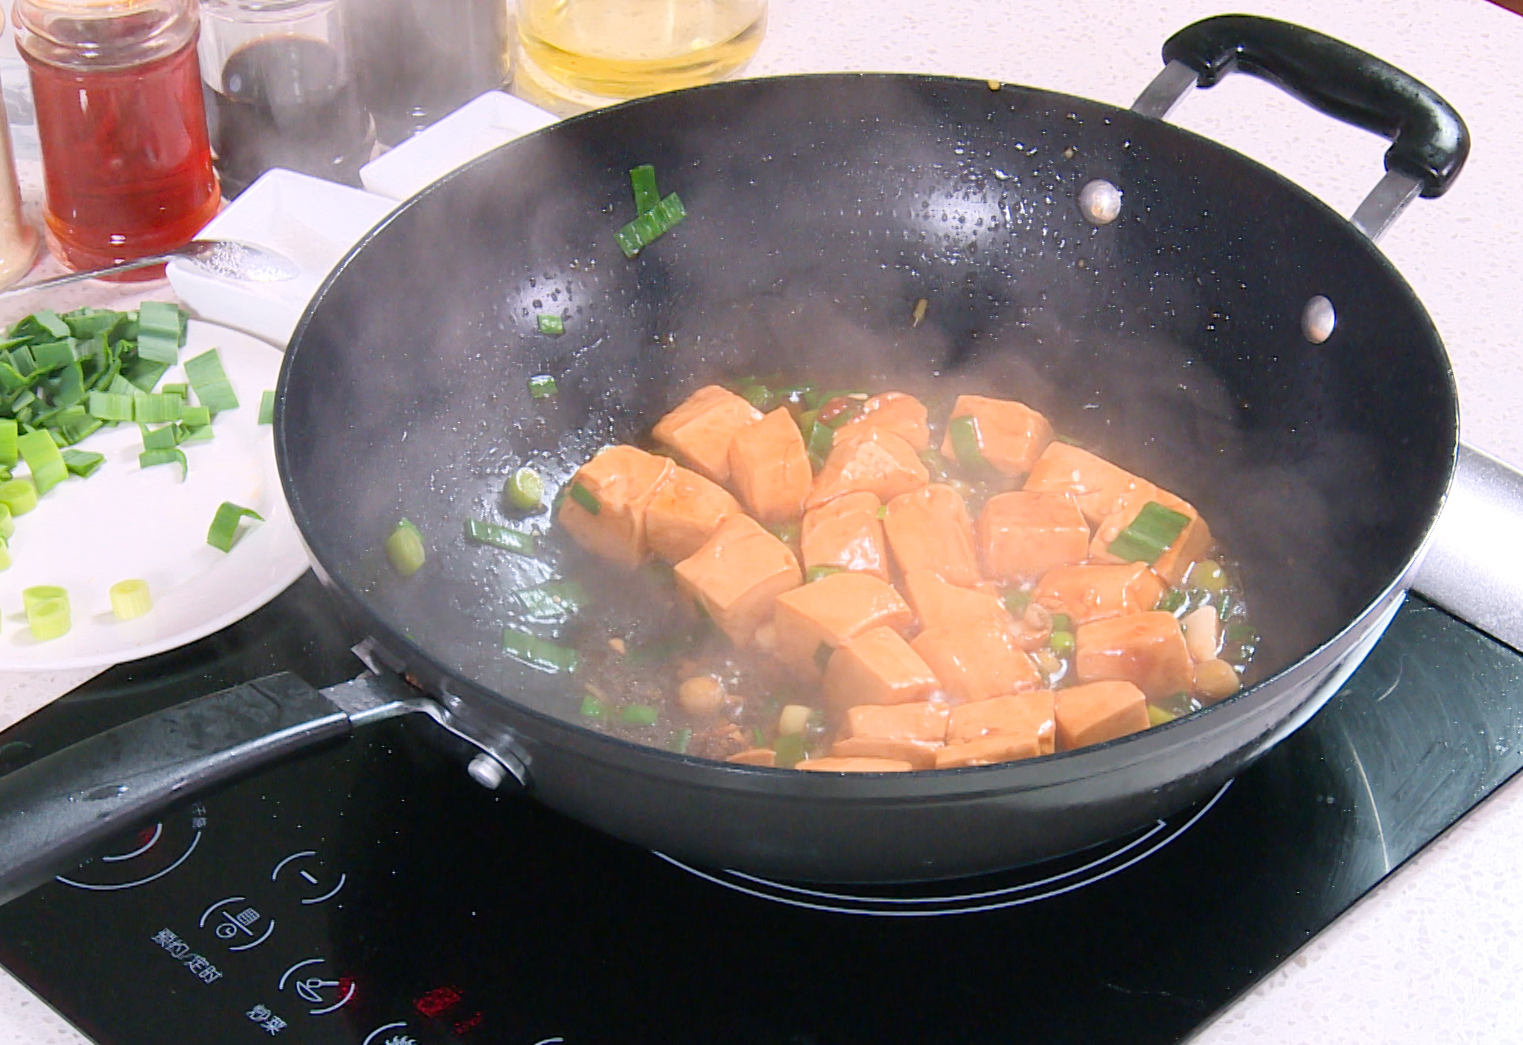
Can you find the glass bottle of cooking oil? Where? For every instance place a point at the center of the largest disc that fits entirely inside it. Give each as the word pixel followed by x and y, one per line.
pixel 602 50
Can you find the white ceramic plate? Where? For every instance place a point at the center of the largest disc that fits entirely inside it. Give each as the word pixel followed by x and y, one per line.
pixel 126 521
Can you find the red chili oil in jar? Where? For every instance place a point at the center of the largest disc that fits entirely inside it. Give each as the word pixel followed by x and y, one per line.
pixel 126 164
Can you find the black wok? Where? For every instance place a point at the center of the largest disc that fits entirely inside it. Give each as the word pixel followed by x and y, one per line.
pixel 820 210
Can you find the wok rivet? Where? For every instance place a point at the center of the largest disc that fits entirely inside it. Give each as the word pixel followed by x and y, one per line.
pixel 1100 202
pixel 487 771
pixel 1318 320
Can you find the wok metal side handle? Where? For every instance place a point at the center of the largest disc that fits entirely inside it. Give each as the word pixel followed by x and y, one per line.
pixel 55 811
pixel 1429 140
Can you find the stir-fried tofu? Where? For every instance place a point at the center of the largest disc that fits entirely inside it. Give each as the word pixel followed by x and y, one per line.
pixel 904 415
pixel 1090 592
pixel 939 604
pixel 977 661
pixel 754 756
pixel 607 516
pixel 701 428
pixel 929 529
pixel 1099 712
pixel 684 513
pixel 875 460
pixel 988 751
pixel 1027 715
pixel 846 533
pixel 1011 435
pixel 812 621
pixel 1147 649
pixel 737 574
pixel 1099 487
pixel 911 732
pixel 831 764
pixel 769 467
pixel 1023 534
pixel 1193 543
pixel 877 667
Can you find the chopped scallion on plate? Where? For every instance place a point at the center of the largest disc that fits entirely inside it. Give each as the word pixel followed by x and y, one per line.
pixel 224 527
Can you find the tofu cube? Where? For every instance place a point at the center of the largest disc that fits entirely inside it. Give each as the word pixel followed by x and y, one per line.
pixel 977 661
pixel 895 412
pixel 737 574
pixel 769 467
pixel 1099 487
pixel 910 732
pixel 875 460
pixel 621 481
pixel 854 765
pixel 1099 712
pixel 1146 649
pixel 940 604
pixel 684 513
pixel 988 751
pixel 1023 534
pixel 1011 435
pixel 846 533
pixel 929 529
pixel 829 611
pixel 1090 592
pixel 1027 715
pixel 700 430
pixel 877 667
pixel 1193 543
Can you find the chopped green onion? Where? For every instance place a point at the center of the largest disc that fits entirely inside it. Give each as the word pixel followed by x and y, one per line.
pixel 196 416
pixel 267 407
pixel 155 409
pixel 758 396
pixel 1062 622
pixel 525 490
pixel 181 390
pixel 1063 643
pixel 172 455
pixel 7 524
pixel 5 554
pixel 680 740
pixel 817 443
pixel 143 374
pixel 207 377
pixel 158 336
pixel 814 573
pixel 109 406
pixel 130 599
pixel 967 443
pixel 639 715
pixel 1239 643
pixel 1058 437
pixel 651 225
pixel 404 547
pixel 224 527
pixel 554 326
pixel 19 495
pixel 8 451
pixel 789 749
pixel 499 536
pixel 585 499
pixel 41 455
pixel 1177 704
pixel 592 707
pixel 539 653
pixel 542 386
pixel 1171 601
pixel 161 438
pixel 552 602
pixel 82 463
pixel 787 532
pixel 882 511
pixel 822 655
pixel 1207 574
pixel 48 618
pixel 1149 534
pixel 198 434
pixel 643 180
pixel 41 593
pixel 1157 716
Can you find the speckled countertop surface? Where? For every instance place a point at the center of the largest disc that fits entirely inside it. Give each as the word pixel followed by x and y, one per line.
pixel 1434 953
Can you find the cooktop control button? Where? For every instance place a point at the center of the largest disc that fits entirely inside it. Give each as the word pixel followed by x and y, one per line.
pixel 304 871
pixel 237 923
pixel 149 853
pixel 309 981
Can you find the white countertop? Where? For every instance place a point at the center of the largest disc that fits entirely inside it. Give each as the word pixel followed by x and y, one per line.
pixel 1432 955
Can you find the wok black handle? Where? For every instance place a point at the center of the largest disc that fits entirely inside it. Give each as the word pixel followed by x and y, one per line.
pixel 55 810
pixel 1429 140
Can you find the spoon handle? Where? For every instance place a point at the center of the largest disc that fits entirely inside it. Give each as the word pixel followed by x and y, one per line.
pixel 80 277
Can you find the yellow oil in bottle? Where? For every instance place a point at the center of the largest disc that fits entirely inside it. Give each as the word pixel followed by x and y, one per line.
pixel 630 48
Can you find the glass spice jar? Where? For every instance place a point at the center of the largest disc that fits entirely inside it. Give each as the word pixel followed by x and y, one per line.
pixel 126 165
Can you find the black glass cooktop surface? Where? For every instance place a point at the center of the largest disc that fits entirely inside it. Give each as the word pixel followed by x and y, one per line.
pixel 372 894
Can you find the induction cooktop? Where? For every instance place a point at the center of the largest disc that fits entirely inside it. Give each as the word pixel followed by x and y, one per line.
pixel 372 894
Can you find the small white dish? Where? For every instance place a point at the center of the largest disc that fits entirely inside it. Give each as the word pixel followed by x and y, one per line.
pixel 126 521
pixel 477 127
pixel 311 221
